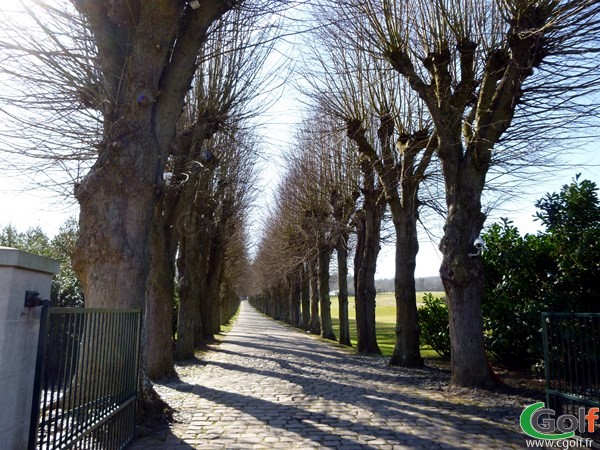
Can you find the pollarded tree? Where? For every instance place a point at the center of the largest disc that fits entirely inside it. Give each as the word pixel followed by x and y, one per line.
pixel 129 69
pixel 129 66
pixel 339 178
pixel 368 239
pixel 146 57
pixel 232 194
pixel 227 80
pixel 322 231
pixel 342 162
pixel 223 192
pixel 362 89
pixel 310 198
pixel 480 66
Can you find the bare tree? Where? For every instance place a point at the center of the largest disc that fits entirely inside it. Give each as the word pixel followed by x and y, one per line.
pixel 222 195
pixel 128 67
pixel 314 206
pixel 362 90
pixel 340 167
pixel 227 82
pixel 310 197
pixel 480 66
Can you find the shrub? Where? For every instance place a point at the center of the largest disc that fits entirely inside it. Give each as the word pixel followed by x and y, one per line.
pixel 434 325
pixel 554 271
pixel 66 288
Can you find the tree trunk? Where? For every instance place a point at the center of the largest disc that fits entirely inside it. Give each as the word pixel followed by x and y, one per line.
pixel 198 266
pixel 230 301
pixel 342 260
pixel 365 261
pixel 400 181
pixel 159 301
pixel 287 301
pixel 278 297
pixel 270 304
pixel 215 276
pixel 189 298
pixel 326 325
pixel 463 279
pixel 192 260
pixel 146 58
pixel 314 325
pixel 211 312
pixel 305 293
pixel 112 257
pixel 406 350
pixel 295 295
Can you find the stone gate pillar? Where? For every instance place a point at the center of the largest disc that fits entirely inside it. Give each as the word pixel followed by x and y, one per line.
pixel 19 328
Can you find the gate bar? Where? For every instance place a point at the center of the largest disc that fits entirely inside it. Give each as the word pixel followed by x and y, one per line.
pixel 37 380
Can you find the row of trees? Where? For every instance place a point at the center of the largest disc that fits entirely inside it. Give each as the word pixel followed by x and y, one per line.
pixel 148 108
pixel 137 91
pixel 431 97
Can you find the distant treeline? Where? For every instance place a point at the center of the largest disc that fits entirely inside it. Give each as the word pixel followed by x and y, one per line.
pixel 422 284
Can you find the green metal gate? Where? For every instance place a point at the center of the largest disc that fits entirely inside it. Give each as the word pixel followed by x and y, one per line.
pixel 572 362
pixel 86 379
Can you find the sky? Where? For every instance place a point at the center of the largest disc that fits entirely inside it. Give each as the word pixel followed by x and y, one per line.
pixel 25 203
pixel 278 128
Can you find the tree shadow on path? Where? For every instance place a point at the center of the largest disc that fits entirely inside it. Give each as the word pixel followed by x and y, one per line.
pixel 279 383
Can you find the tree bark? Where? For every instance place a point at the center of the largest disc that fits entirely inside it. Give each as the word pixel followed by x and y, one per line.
pixel 188 316
pixel 112 257
pixel 212 326
pixel 295 298
pixel 211 312
pixel 463 279
pixel 314 325
pixel 368 229
pixel 146 59
pixel 406 349
pixel 365 263
pixel 325 301
pixel 160 291
pixel 342 260
pixel 305 295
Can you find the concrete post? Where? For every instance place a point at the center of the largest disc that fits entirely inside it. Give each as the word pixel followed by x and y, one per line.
pixel 19 328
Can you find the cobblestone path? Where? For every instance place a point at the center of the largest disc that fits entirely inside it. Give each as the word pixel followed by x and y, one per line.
pixel 271 387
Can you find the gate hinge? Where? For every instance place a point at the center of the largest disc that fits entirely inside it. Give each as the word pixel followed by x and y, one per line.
pixel 32 299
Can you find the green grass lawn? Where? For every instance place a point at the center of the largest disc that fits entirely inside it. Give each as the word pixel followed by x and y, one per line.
pixel 385 316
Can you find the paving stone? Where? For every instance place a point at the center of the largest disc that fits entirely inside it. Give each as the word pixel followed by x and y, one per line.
pixel 268 386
